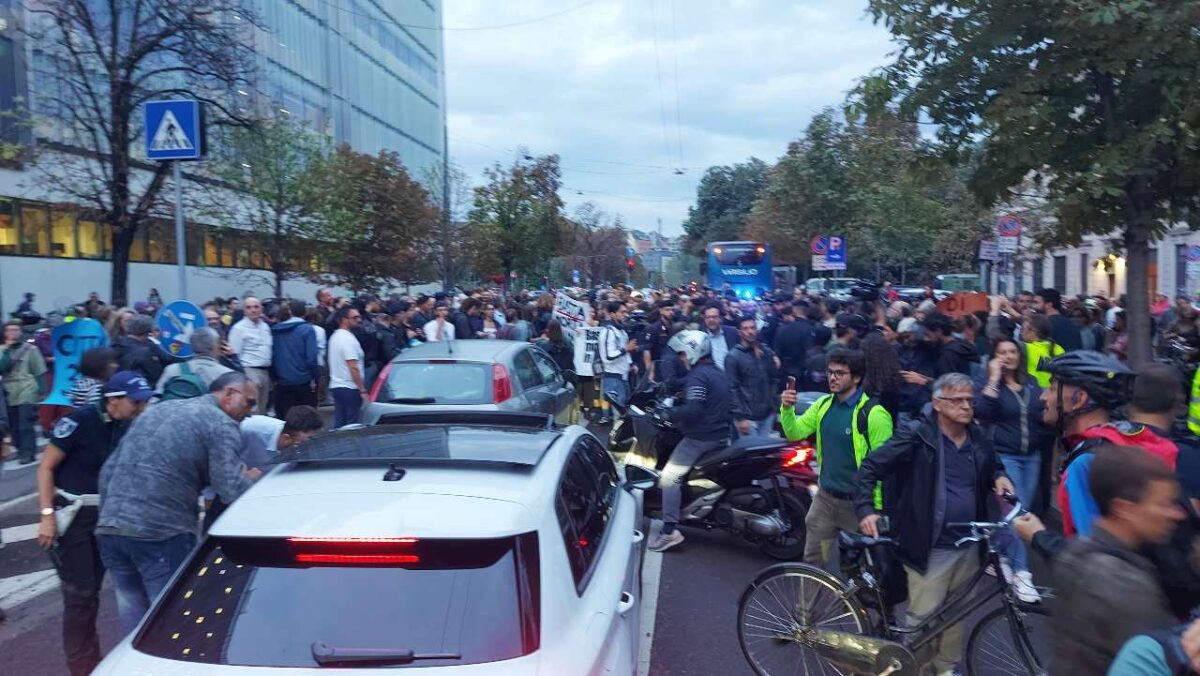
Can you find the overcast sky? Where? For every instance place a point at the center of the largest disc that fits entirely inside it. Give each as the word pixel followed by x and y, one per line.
pixel 584 84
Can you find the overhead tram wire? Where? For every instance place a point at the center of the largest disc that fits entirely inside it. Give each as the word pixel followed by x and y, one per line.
pixel 675 58
pixel 513 24
pixel 662 99
pixel 585 160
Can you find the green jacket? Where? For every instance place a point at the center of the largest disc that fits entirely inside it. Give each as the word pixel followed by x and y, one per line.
pixel 22 367
pixel 879 429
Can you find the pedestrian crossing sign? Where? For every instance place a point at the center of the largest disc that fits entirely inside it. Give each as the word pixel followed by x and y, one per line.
pixel 174 130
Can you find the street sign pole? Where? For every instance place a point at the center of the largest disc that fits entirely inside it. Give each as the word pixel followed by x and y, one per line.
pixel 180 238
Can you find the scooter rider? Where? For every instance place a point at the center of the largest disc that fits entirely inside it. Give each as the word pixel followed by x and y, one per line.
pixel 848 425
pixel 704 419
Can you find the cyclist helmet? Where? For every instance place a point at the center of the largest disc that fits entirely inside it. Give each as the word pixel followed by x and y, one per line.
pixel 694 345
pixel 1108 382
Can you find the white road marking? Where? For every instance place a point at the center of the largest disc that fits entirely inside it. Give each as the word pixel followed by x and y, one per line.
pixel 16 501
pixel 651 573
pixel 18 589
pixel 19 533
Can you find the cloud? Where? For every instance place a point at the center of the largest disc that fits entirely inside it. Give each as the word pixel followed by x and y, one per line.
pixel 585 85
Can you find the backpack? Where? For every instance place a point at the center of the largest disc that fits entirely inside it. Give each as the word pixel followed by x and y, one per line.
pixel 186 385
pixel 864 414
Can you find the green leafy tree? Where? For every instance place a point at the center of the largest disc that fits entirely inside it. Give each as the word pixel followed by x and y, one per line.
pixel 266 164
pixel 378 222
pixel 597 245
pixel 723 201
pixel 1090 100
pixel 518 214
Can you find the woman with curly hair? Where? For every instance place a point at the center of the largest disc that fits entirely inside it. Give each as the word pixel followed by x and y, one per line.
pixel 882 379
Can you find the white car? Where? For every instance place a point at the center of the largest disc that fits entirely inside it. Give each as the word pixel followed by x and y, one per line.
pixel 463 543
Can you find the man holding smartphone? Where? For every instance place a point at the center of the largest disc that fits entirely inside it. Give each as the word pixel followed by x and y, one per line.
pixel 848 424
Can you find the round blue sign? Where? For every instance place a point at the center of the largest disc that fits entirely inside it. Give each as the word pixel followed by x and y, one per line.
pixel 177 321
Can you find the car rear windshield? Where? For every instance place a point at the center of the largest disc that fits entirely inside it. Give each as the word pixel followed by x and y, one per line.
pixel 267 601
pixel 443 382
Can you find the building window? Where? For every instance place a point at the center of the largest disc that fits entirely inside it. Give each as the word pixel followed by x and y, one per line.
pixel 212 249
pixel 91 239
pixel 1018 276
pixel 62 234
pixel 1060 273
pixel 1084 271
pixel 35 231
pixel 1039 270
pixel 10 242
pixel 138 252
pixel 161 241
pixel 1181 283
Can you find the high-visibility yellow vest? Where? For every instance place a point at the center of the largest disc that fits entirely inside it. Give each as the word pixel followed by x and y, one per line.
pixel 1034 351
pixel 1194 406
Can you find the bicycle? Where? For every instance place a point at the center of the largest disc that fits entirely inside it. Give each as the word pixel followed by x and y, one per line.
pixel 795 612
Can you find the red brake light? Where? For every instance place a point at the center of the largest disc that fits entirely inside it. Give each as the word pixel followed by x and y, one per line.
pixel 354 551
pixel 796 454
pixel 379 381
pixel 358 559
pixel 501 384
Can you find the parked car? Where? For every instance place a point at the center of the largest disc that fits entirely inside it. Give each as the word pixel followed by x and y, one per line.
pixel 493 375
pixel 460 543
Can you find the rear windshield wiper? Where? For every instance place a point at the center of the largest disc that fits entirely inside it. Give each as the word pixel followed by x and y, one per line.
pixel 412 400
pixel 333 656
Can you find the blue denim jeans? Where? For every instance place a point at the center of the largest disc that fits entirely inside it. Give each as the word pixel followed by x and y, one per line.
pixel 1023 470
pixel 759 428
pixel 21 421
pixel 347 403
pixel 140 569
pixel 615 388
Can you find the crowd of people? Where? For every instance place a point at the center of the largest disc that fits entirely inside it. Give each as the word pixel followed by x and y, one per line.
pixel 918 416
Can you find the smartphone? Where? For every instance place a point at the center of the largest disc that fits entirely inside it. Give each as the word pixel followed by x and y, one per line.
pixel 791 383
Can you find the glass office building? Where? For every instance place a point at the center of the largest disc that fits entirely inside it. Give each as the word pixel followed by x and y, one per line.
pixel 367 73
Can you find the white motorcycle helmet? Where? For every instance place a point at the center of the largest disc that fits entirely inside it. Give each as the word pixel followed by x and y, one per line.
pixel 695 345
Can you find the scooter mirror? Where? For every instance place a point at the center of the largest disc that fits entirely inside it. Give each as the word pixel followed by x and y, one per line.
pixel 635 410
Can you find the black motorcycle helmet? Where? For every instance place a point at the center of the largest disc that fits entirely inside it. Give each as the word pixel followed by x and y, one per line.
pixel 1108 382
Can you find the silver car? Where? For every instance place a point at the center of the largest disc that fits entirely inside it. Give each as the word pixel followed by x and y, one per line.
pixel 495 375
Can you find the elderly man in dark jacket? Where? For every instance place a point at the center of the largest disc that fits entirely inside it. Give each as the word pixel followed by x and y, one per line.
pixel 937 472
pixel 753 372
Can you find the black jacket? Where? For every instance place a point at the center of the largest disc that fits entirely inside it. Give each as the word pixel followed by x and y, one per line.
pixel 671 372
pixel 753 381
pixel 917 358
pixel 142 356
pixel 1064 332
pixel 1002 414
pixel 791 344
pixel 957 356
pixel 911 469
pixel 705 413
pixel 462 326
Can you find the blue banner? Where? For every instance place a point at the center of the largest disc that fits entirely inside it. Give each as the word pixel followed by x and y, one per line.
pixel 70 341
pixel 176 323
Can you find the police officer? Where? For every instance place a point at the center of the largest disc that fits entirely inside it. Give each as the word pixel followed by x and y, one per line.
pixel 69 497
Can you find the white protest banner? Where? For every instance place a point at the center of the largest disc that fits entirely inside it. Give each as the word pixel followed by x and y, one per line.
pixel 572 314
pixel 587 351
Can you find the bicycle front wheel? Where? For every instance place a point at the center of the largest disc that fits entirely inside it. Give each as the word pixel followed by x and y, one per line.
pixel 784 602
pixel 1010 642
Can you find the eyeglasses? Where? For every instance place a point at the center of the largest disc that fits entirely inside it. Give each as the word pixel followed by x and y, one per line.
pixel 839 373
pixel 959 401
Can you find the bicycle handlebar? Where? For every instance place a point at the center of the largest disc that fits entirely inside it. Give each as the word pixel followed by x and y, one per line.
pixel 982 530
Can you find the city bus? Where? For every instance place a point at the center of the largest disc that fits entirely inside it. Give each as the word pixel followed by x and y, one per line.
pixel 743 267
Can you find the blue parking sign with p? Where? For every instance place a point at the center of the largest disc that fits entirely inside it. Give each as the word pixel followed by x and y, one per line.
pixel 174 130
pixel 836 254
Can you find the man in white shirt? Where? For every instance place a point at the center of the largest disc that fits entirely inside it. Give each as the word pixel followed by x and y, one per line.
pixel 346 384
pixel 251 339
pixel 615 355
pixel 440 327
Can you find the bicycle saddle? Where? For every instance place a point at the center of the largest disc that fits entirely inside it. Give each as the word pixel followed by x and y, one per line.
pixel 859 541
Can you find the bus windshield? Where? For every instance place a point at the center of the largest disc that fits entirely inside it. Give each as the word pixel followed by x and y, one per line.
pixel 742 253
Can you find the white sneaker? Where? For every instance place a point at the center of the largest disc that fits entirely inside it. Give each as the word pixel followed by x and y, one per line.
pixel 665 541
pixel 1008 573
pixel 1022 584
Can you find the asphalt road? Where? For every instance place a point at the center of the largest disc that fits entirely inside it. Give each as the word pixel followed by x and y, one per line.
pixel 694 603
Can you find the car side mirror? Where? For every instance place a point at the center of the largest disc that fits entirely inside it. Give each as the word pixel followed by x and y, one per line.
pixel 640 478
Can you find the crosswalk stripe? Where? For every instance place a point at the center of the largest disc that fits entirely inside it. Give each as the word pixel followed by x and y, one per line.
pixel 19 533
pixel 18 589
